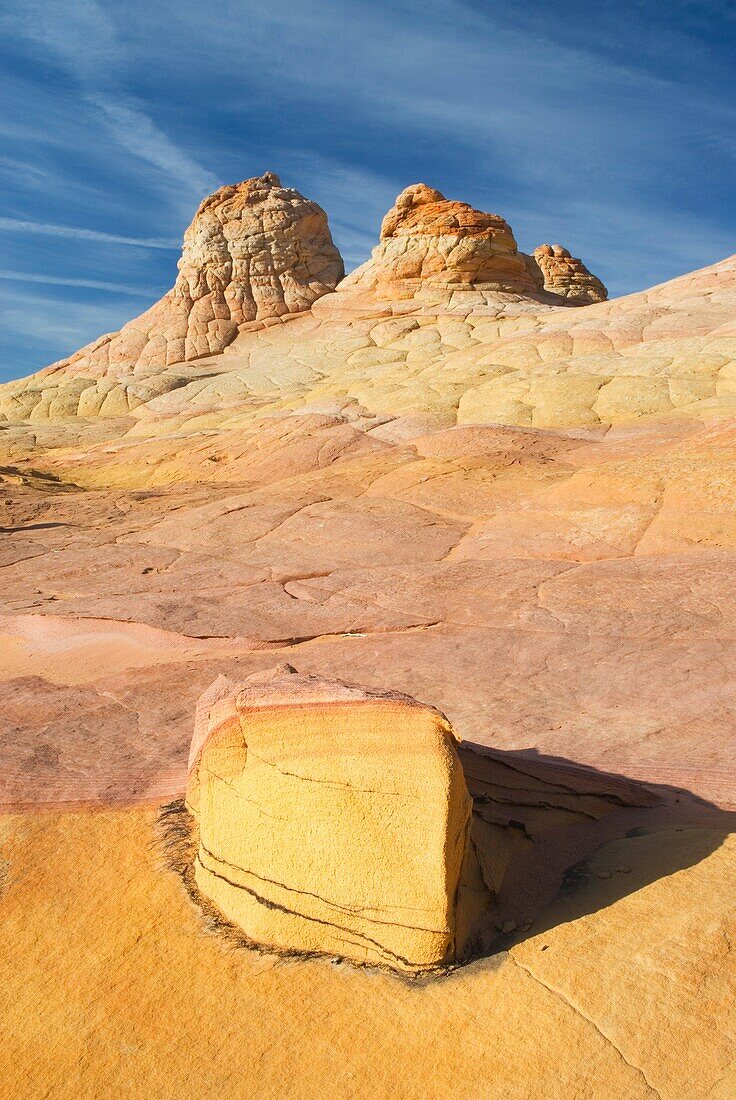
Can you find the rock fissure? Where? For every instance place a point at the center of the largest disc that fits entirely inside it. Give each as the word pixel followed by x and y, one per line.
pixel 326 782
pixel 588 1019
pixel 354 909
pixel 268 903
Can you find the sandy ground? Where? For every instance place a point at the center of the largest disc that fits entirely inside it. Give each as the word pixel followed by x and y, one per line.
pixel 112 984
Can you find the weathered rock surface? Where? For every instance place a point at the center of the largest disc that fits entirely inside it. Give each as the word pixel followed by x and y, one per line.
pixel 337 820
pixel 446 356
pixel 255 252
pixel 330 819
pixel 430 244
pixel 519 512
pixel 359 370
pixel 566 276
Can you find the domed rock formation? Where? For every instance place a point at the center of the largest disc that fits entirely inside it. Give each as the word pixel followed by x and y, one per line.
pixel 567 277
pixel 431 246
pixel 255 251
pixel 256 254
pixel 431 243
pixel 330 819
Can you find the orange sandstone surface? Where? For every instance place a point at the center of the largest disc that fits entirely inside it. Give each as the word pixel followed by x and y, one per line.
pixel 460 480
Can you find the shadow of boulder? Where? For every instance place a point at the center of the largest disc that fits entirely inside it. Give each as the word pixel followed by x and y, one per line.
pixel 538 823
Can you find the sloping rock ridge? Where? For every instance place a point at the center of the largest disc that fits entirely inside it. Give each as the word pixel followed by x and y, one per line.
pixel 255 252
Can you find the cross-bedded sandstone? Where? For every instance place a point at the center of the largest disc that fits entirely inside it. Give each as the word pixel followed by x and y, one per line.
pixel 330 819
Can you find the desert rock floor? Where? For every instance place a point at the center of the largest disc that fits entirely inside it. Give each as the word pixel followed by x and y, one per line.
pixel 521 514
pixel 608 996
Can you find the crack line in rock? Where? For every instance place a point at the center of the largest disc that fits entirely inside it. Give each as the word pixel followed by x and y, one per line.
pixel 353 910
pixel 347 932
pixel 327 782
pixel 578 1012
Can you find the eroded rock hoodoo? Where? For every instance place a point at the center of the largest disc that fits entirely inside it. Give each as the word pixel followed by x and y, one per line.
pixel 257 254
pixel 255 251
pixel 430 245
pixel 330 819
pixel 567 277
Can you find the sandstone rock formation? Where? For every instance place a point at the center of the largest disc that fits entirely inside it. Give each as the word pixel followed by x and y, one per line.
pixel 430 244
pixel 520 512
pixel 257 254
pixel 567 277
pixel 254 252
pixel 330 819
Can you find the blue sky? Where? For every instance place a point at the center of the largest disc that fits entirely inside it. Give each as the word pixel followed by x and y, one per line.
pixel 610 127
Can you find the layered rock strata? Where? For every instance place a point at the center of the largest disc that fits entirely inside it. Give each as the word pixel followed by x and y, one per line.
pixel 429 243
pixel 254 252
pixel 336 820
pixel 567 277
pixel 330 819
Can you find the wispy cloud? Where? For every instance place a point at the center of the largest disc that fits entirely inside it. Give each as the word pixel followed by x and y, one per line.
pixel 53 328
pixel 89 284
pixel 84 39
pixel 137 133
pixel 80 34
pixel 49 229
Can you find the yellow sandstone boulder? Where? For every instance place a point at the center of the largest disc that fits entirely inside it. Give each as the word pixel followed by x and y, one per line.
pixel 330 819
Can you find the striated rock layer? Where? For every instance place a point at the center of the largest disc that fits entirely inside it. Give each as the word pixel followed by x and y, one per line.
pixel 429 243
pixel 339 820
pixel 330 819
